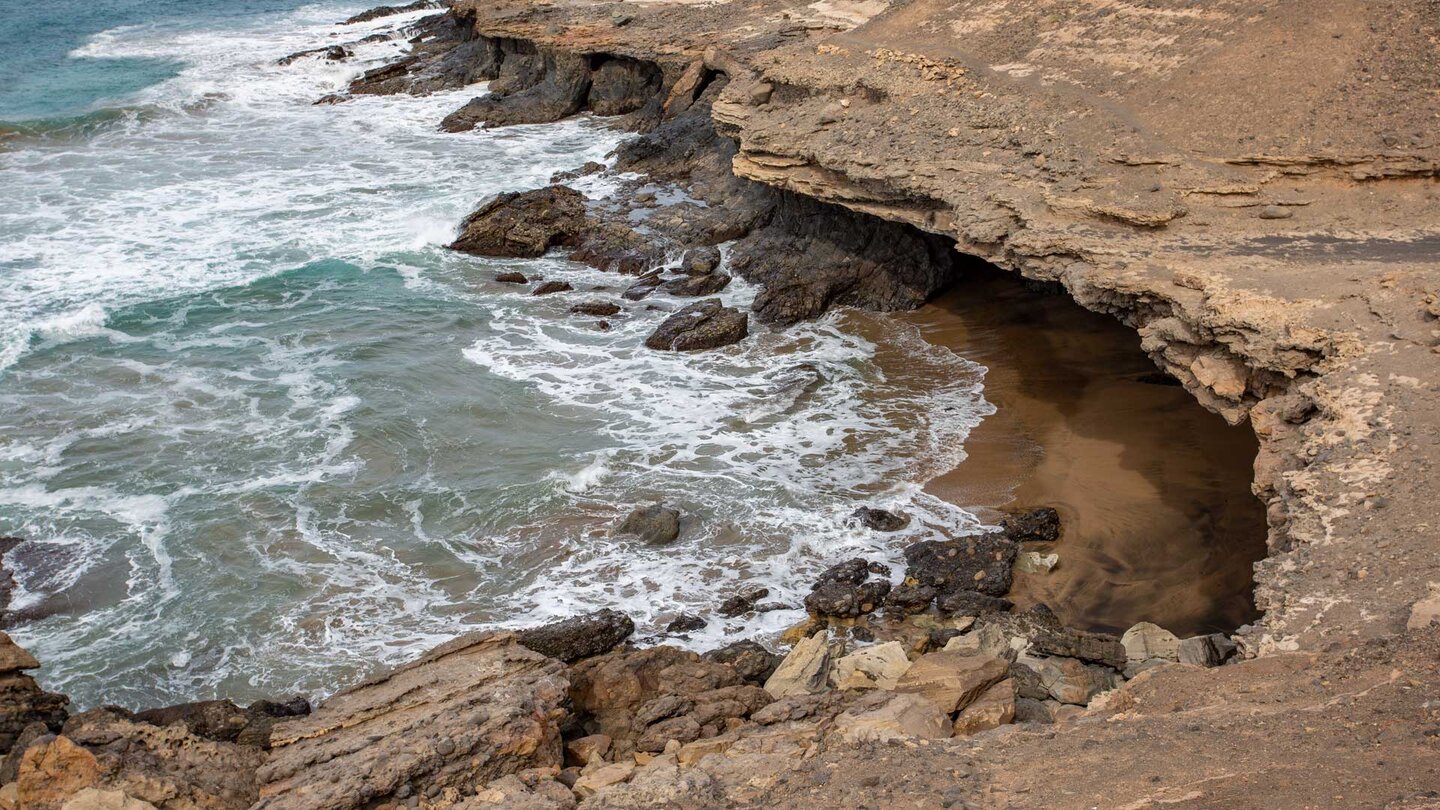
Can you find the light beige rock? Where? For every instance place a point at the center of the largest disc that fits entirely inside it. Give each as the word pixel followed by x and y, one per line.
pixel 593 782
pixel 94 799
pixel 13 657
pixel 805 671
pixel 691 753
pixel 1424 612
pixel 1206 651
pixel 951 680
pixel 1069 680
pixel 968 644
pixel 1146 640
pixel 1033 562
pixel 10 797
pixel 903 715
pixel 877 667
pixel 994 708
pixel 588 749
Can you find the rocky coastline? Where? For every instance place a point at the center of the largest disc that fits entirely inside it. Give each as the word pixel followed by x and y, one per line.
pixel 932 692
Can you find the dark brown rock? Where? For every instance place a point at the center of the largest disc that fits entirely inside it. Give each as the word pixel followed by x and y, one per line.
pixel 22 701
pixel 642 288
pixel 881 520
pixel 700 326
pixel 743 602
pixel 847 590
pixel 552 287
pixel 752 662
pixel 599 309
pixel 524 224
pixel 685 623
pixel 1032 525
pixel 701 261
pixel 697 286
pixel 654 524
pixel 980 563
pixel 580 636
pixel 512 278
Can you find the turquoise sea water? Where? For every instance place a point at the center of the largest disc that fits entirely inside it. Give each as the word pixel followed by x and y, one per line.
pixel 264 433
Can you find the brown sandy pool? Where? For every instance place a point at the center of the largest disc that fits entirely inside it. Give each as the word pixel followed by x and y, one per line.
pixel 1160 523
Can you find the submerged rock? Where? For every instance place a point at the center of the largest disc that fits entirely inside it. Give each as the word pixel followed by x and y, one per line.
pixel 523 224
pixel 512 278
pixel 881 520
pixel 703 325
pixel 654 525
pixel 579 637
pixel 685 623
pixel 846 590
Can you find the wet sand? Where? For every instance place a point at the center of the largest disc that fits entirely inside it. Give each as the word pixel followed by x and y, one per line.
pixel 1153 490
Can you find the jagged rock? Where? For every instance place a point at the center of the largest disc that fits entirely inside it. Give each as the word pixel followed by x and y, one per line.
pixel 389 11
pixel 843 590
pixel 1206 651
pixel 877 667
pixel 1032 525
pixel 464 714
pixel 599 309
pixel 514 792
pixel 752 662
pixel 523 224
pixel 881 520
pixel 908 599
pixel 900 715
pixel 684 623
pixel 642 288
pixel 1146 640
pixel 332 53
pixel 531 88
pixel 552 287
pixel 701 261
pixel 512 278
pixel 952 680
pixel 969 603
pixel 743 602
pixel 1067 680
pixel 994 708
pixel 697 286
pixel 579 637
pixel 103 751
pixel 587 749
pixel 223 721
pixel 621 86
pixel 591 783
pixel 654 525
pixel 805 671
pixel 981 563
pixel 22 701
pixel 1040 632
pixel 642 699
pixel 703 325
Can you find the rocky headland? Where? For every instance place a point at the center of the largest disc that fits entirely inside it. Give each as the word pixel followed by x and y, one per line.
pixel 1250 186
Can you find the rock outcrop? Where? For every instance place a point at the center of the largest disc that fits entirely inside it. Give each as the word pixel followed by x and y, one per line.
pixel 572 639
pixel 523 224
pixel 23 704
pixel 705 325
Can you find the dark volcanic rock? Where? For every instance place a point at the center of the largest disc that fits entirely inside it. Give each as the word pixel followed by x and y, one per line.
pixel 1032 525
pixel 703 325
pixel 642 288
pixel 579 637
pixel 524 224
pixel 552 287
pixel 533 86
pixel 752 662
pixel 701 261
pixel 622 86
pixel 880 520
pixel 655 525
pixel 685 622
pixel 223 721
pixel 909 599
pixel 743 602
pixel 600 309
pixel 389 11
pixel 696 286
pixel 970 603
pixel 978 563
pixel 333 53
pixel 846 590
pixel 512 278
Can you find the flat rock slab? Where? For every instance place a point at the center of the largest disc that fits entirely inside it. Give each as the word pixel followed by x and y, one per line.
pixel 468 712
pixel 952 680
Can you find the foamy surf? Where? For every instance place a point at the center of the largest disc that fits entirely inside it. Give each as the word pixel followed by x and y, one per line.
pixel 265 434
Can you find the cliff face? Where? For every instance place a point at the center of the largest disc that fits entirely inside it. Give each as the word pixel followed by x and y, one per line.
pixel 1249 185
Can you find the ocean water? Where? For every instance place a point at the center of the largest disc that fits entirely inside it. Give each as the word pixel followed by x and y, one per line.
pixel 264 434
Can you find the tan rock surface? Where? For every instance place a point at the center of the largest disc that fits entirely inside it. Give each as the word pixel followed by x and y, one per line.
pixel 952 680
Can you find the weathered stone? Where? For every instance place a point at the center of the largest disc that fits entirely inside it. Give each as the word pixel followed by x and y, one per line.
pixel 805 670
pixel 952 680
pixel 13 657
pixel 697 286
pixel 642 287
pixel 588 749
pixel 1068 680
pixel 881 520
pixel 685 623
pixel 1206 651
pixel 703 325
pixel 752 662
pixel 899 716
pixel 701 261
pixel 980 563
pixel 1033 562
pixel 743 602
pixel 1040 632
pixel 621 86
pixel 1032 526
pixel 877 667
pixel 489 702
pixel 994 708
pixel 907 599
pixel 843 590
pixel 94 799
pixel 524 224
pixel 1425 612
pixel 223 721
pixel 1146 640
pixel 23 702
pixel 591 783
pixel 598 309
pixel 654 525
pixel 552 287
pixel 969 603
pixel 580 636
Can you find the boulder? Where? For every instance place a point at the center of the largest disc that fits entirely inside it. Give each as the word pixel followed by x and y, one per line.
pixel 524 224
pixel 578 637
pixel 952 680
pixel 881 520
pixel 805 671
pixel 703 325
pixel 685 623
pixel 877 667
pixel 469 712
pixel 104 752
pixel 980 563
pixel 697 286
pixel 552 287
pixel 654 525
pixel 994 708
pixel 701 261
pixel 1146 640
pixel 593 782
pixel 643 287
pixel 1206 651
pixel 598 309
pixel 22 701
pixel 512 278
pixel 1032 526
pixel 899 716
pixel 746 600
pixel 1067 680
pixel 907 599
pixel 752 662
pixel 847 590
pixel 587 749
